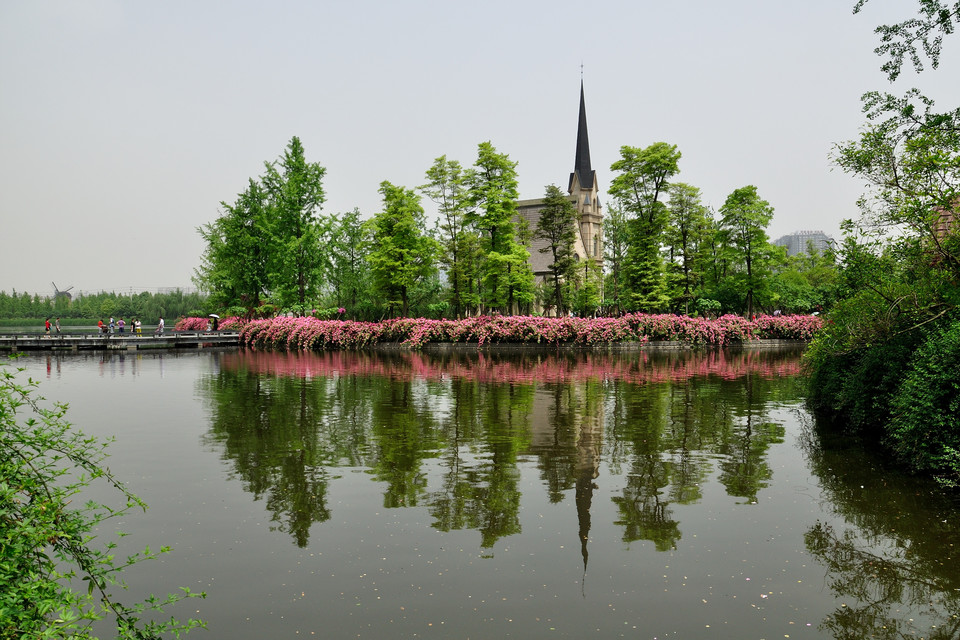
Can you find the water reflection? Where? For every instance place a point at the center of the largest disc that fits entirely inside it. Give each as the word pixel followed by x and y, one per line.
pixel 894 562
pixel 392 476
pixel 287 422
pixel 107 364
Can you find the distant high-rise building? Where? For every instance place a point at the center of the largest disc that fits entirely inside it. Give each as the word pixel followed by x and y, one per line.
pixel 800 241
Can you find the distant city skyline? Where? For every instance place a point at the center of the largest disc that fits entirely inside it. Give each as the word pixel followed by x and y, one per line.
pixel 124 125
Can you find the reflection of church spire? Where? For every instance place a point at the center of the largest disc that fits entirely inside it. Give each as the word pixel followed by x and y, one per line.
pixel 589 442
pixel 584 497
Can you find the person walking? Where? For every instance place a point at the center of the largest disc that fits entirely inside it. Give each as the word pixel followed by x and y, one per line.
pixel 58 325
pixel 46 327
pixel 112 324
pixel 137 325
pixel 160 327
pixel 120 325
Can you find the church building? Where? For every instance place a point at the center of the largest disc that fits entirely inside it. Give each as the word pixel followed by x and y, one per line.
pixel 583 191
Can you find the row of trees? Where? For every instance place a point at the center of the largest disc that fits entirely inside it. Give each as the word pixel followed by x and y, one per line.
pixel 90 306
pixel 667 250
pixel 272 246
pixel 273 250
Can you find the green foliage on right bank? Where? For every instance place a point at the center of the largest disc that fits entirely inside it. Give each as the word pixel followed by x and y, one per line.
pixel 887 363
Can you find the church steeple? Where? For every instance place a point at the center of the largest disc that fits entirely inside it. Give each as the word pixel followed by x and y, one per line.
pixel 581 166
pixel 584 190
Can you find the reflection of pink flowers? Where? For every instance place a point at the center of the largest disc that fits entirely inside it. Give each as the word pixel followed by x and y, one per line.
pixel 634 368
pixel 309 333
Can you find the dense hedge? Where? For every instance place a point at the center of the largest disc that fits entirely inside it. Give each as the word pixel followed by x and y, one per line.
pixel 903 392
pixel 925 409
pixel 312 334
pixel 200 324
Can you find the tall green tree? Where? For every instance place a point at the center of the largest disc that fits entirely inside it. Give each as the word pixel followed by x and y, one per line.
pixel 745 217
pixel 505 273
pixel 348 273
pixel 234 266
pixel 295 188
pixel 557 226
pixel 586 289
pixel 910 156
pixel 403 255
pixel 686 238
pixel 615 244
pixel 804 282
pixel 639 187
pixel 448 189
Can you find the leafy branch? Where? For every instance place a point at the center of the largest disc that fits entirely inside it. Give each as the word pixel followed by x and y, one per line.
pixel 47 544
pixel 908 38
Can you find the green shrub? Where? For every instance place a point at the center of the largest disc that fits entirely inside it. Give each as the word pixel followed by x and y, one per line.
pixel 854 386
pixel 924 429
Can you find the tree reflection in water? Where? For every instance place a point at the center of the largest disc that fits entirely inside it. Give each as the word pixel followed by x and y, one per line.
pixel 894 564
pixel 286 422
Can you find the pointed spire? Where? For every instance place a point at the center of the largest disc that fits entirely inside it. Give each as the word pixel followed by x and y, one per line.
pixel 582 164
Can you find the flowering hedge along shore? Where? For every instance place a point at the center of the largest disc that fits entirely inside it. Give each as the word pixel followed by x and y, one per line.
pixel 200 324
pixel 307 333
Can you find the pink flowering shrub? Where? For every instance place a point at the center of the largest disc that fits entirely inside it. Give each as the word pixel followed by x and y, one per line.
pixel 200 324
pixel 787 327
pixel 308 333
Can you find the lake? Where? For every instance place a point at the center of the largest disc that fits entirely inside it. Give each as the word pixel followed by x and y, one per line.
pixel 528 495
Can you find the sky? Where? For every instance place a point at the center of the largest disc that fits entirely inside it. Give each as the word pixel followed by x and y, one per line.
pixel 124 125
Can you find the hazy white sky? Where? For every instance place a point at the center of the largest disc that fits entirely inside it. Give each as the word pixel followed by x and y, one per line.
pixel 124 124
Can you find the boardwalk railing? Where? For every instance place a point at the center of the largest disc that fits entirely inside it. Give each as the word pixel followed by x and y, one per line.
pixel 76 342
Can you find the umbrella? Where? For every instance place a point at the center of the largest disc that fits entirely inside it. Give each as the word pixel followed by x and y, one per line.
pixel 213 315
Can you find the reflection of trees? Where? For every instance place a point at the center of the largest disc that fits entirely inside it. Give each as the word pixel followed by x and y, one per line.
pixel 744 468
pixel 663 420
pixel 280 435
pixel 884 596
pixel 669 434
pixel 480 484
pixel 645 513
pixel 404 433
pixel 895 565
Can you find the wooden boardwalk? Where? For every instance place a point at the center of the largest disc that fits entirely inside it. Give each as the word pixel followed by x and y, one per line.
pixel 97 342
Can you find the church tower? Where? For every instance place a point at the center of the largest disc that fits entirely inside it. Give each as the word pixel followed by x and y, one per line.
pixel 584 190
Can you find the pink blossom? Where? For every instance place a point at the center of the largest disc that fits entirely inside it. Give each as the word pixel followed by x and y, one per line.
pixel 308 333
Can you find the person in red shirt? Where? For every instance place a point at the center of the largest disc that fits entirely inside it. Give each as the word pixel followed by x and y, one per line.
pixel 46 326
pixel 100 325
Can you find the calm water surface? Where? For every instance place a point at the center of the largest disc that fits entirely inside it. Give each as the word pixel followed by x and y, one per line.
pixel 529 496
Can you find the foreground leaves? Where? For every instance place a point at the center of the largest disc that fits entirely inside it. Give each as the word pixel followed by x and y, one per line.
pixel 56 578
